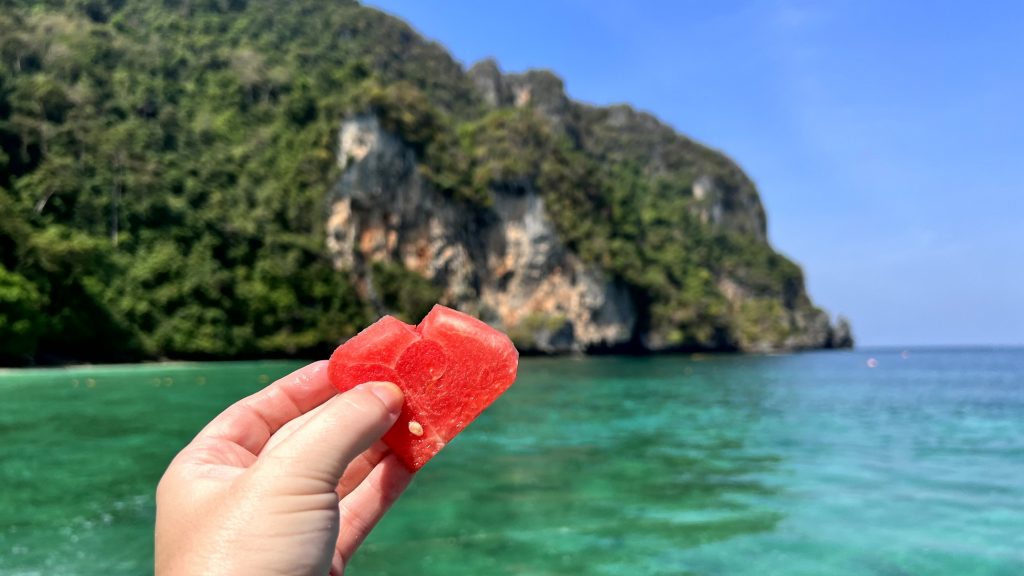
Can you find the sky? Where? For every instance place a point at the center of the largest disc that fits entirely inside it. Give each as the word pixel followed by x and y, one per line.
pixel 886 138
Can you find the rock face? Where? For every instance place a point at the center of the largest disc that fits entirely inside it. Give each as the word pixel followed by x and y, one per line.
pixel 539 89
pixel 504 263
pixel 842 334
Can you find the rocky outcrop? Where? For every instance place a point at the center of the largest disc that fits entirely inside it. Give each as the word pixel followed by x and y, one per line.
pixel 504 263
pixel 842 334
pixel 539 89
pixel 489 83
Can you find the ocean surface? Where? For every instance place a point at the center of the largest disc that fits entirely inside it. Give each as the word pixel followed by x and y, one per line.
pixel 805 464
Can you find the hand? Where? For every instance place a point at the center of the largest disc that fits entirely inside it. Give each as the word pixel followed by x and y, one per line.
pixel 287 481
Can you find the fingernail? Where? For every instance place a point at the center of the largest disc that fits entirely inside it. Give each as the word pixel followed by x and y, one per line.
pixel 389 394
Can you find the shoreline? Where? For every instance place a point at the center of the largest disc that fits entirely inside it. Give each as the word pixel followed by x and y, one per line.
pixel 531 355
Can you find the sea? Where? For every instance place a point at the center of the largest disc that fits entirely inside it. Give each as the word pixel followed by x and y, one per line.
pixel 869 462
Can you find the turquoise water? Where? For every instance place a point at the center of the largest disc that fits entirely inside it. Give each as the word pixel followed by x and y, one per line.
pixel 809 464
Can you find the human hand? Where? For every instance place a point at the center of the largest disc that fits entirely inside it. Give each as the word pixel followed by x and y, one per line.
pixel 289 481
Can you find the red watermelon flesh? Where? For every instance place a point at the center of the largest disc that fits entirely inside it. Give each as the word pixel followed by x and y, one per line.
pixel 450 367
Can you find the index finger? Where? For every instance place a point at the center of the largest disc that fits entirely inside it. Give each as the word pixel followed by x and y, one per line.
pixel 251 421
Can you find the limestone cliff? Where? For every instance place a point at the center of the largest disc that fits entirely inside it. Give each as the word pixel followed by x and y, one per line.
pixel 504 263
pixel 507 260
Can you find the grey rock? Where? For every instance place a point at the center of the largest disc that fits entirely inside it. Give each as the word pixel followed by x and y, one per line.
pixel 487 78
pixel 842 334
pixel 540 89
pixel 505 263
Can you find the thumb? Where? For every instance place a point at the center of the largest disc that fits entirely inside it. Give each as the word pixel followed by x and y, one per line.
pixel 342 429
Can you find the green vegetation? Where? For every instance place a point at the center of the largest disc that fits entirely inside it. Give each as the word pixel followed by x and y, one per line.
pixel 406 293
pixel 761 319
pixel 524 335
pixel 163 169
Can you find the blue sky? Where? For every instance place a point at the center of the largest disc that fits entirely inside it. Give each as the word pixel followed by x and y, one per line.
pixel 887 138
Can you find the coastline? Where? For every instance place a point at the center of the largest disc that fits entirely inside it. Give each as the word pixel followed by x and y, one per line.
pixel 532 354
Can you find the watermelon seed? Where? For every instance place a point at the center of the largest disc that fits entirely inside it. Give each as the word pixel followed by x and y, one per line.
pixel 415 428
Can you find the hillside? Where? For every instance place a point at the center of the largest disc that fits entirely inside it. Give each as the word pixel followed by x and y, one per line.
pixel 230 179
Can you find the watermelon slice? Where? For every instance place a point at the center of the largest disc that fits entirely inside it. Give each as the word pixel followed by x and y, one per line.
pixel 450 367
